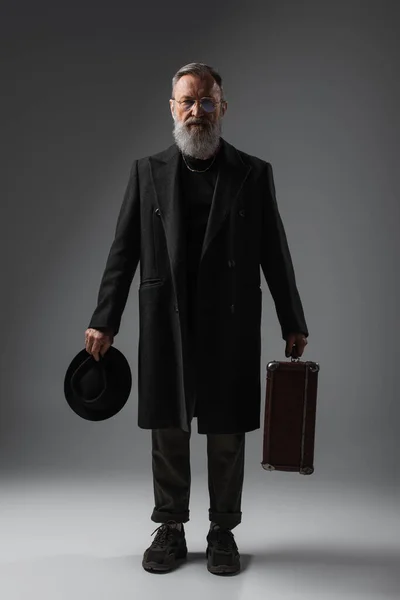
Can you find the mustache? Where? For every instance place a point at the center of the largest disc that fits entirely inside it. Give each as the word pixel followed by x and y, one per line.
pixel 197 122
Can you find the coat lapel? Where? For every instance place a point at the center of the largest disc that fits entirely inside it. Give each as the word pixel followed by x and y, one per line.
pixel 165 166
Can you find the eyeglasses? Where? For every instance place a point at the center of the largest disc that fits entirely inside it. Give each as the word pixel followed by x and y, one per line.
pixel 208 104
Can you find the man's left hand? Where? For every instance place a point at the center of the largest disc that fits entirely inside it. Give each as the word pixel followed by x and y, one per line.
pixel 295 344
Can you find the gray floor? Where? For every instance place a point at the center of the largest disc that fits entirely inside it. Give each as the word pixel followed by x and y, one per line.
pixel 81 539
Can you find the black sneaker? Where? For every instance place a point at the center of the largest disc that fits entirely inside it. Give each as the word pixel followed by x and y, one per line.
pixel 168 548
pixel 222 552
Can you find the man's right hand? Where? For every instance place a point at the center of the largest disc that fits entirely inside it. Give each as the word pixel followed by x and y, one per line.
pixel 98 342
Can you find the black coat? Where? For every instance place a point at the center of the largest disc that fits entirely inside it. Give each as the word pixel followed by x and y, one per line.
pixel 244 232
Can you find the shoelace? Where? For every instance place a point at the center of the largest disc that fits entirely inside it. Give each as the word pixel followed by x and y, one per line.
pixel 163 533
pixel 224 539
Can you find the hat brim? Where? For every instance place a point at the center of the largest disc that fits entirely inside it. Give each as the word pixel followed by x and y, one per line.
pixel 117 361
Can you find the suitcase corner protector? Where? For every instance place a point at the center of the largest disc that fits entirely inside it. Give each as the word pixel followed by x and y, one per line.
pixel 272 365
pixel 267 467
pixel 306 471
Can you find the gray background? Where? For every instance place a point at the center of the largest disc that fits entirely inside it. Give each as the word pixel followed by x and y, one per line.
pixel 313 88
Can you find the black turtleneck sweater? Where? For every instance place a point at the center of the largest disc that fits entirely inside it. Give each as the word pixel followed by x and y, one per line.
pixel 197 192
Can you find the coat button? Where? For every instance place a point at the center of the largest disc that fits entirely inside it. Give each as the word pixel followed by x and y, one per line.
pixel 157 211
pixel 231 263
pixel 242 212
pixel 176 308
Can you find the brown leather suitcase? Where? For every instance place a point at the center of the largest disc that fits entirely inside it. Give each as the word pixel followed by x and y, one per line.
pixel 290 415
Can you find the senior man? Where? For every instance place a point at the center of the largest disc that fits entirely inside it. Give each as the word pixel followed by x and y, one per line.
pixel 201 217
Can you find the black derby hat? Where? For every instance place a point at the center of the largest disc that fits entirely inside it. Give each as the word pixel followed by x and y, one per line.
pixel 97 390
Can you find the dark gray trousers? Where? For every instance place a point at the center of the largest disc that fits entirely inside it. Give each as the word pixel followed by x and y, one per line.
pixel 172 477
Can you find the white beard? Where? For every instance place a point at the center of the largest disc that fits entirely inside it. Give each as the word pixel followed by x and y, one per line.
pixel 200 142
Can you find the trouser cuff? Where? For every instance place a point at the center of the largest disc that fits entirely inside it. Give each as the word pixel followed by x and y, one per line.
pixel 225 520
pixel 161 516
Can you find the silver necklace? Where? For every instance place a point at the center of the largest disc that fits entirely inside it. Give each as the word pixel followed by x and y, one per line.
pixel 196 170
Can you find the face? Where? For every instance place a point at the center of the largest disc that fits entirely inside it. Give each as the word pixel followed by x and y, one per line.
pixel 196 132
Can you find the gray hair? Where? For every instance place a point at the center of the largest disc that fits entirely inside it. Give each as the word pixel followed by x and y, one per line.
pixel 201 70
